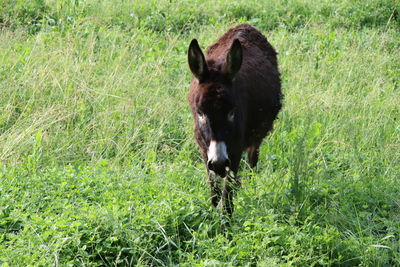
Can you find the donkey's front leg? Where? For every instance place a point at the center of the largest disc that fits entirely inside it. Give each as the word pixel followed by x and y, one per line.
pixel 213 181
pixel 230 184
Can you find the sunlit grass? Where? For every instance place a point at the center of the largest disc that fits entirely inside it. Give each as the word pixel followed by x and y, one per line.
pixel 98 160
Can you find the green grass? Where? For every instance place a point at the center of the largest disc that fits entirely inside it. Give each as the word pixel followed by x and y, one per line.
pixel 98 164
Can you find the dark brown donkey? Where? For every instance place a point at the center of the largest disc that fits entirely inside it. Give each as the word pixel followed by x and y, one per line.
pixel 235 96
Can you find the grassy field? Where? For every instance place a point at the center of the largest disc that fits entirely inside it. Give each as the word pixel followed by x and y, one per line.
pixel 98 164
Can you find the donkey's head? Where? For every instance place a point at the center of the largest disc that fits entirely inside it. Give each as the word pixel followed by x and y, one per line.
pixel 215 104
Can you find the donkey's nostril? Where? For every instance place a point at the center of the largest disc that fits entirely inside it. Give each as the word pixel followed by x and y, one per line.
pixel 210 165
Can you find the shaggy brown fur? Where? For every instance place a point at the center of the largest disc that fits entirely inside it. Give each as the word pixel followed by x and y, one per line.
pixel 239 75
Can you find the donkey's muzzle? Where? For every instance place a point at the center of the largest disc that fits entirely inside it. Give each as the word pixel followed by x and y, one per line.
pixel 219 167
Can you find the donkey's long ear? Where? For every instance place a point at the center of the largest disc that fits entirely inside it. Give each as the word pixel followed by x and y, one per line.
pixel 197 62
pixel 234 59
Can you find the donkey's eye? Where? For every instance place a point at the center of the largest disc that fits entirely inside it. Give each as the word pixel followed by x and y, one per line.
pixel 231 115
pixel 201 116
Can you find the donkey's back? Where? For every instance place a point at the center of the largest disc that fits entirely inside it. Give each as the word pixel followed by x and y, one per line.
pixel 257 83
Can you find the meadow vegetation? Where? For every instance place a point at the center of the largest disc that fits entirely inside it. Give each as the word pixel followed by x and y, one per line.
pixel 98 164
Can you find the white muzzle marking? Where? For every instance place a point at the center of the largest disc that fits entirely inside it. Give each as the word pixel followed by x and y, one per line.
pixel 217 151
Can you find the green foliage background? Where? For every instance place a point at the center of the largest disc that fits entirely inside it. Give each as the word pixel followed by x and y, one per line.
pixel 98 164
